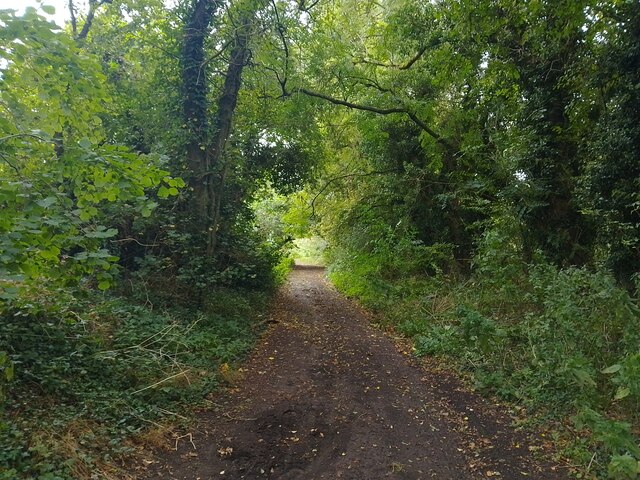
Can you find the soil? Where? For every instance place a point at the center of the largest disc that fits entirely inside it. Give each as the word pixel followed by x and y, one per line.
pixel 326 395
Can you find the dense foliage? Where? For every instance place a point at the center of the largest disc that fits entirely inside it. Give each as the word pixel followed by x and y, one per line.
pixel 488 204
pixel 474 167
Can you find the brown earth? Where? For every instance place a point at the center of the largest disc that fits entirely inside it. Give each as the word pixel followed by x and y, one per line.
pixel 327 396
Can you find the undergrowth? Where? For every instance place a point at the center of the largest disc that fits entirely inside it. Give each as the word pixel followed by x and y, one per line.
pixel 563 344
pixel 91 371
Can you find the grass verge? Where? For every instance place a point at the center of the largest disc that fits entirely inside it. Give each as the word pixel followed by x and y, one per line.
pixel 562 345
pixel 90 372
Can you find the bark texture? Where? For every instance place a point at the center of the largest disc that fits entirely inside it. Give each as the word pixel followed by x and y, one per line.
pixel 227 102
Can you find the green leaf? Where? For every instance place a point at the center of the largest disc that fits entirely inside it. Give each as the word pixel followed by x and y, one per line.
pixel 50 254
pixel 87 213
pixel 104 284
pixel 9 372
pixel 163 192
pixel 612 369
pixel 85 143
pixel 621 393
pixel 102 233
pixel 48 9
pixel 582 377
pixel 8 293
pixel 47 202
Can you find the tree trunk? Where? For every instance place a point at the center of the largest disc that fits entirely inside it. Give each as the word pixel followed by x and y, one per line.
pixel 556 225
pixel 206 148
pixel 195 89
pixel 224 120
pixel 553 221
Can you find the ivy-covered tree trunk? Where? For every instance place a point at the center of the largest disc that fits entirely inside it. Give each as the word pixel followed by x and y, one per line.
pixel 613 145
pixel 207 144
pixel 195 110
pixel 554 222
pixel 224 120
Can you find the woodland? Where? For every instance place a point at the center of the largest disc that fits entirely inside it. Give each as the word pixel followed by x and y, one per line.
pixel 473 168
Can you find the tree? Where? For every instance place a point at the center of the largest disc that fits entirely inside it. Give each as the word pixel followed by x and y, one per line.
pixel 544 52
pixel 612 137
pixel 56 204
pixel 207 145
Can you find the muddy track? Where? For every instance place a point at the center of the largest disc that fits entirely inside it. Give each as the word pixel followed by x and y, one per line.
pixel 327 396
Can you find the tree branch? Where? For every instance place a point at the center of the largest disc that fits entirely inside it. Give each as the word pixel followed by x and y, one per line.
pixel 93 7
pixel 131 239
pixel 410 63
pixel 17 170
pixel 355 106
pixel 74 22
pixel 405 66
pixel 218 53
pixel 281 29
pixel 18 135
pixel 305 8
pixel 368 82
pixel 381 111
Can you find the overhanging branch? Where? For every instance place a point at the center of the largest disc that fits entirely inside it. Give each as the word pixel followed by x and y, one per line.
pixel 18 135
pixel 381 111
pixel 355 106
pixel 410 63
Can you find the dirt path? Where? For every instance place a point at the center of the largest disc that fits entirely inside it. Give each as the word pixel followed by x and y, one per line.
pixel 326 396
